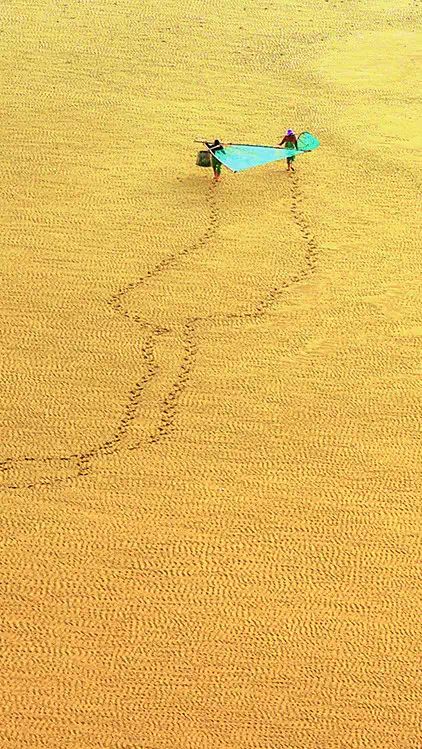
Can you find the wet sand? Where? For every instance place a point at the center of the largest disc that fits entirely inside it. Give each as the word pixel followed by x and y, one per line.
pixel 210 461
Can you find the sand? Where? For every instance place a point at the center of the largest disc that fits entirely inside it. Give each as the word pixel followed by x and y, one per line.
pixel 210 395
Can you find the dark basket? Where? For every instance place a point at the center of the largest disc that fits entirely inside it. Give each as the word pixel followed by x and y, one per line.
pixel 203 158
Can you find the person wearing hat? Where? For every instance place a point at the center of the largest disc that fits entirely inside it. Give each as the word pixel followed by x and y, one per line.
pixel 289 141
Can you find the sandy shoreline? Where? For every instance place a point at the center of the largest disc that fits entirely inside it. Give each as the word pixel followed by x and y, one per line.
pixel 210 394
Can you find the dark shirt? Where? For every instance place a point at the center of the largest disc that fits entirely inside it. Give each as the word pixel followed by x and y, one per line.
pixel 215 146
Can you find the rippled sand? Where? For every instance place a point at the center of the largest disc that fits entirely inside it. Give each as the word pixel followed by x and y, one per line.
pixel 210 395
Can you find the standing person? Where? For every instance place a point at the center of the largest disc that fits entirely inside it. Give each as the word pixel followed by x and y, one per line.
pixel 216 165
pixel 289 141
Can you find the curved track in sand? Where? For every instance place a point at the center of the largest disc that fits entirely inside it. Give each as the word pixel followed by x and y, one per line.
pixel 64 468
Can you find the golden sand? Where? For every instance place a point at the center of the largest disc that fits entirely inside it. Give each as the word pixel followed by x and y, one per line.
pixel 210 399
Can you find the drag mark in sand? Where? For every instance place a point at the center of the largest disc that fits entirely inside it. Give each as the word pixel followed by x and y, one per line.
pixel 262 306
pixel 49 471
pixel 30 472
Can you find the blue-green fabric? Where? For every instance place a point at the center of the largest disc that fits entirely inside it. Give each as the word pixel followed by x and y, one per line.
pixel 239 157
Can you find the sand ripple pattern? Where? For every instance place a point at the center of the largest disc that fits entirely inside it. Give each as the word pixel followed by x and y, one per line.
pixel 30 472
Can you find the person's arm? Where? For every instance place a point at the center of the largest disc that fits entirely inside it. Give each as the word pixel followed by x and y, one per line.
pixel 282 142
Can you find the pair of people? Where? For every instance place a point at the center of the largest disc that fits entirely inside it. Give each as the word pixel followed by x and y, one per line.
pixel 289 141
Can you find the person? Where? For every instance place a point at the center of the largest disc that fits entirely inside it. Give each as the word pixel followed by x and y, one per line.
pixel 216 165
pixel 289 141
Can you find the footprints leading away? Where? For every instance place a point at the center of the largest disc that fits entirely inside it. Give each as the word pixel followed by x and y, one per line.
pixel 30 472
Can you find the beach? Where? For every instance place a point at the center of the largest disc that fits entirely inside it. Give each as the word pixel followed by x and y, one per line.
pixel 210 393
